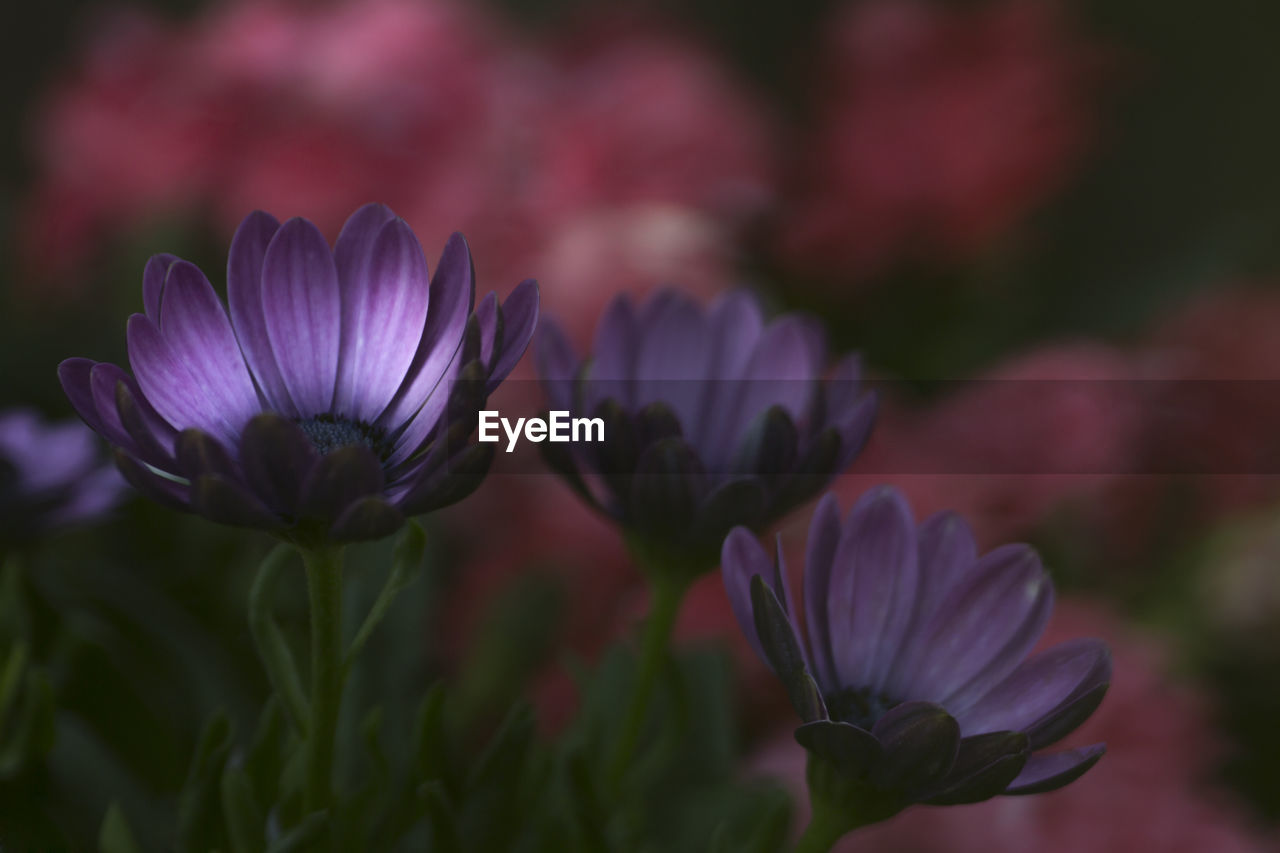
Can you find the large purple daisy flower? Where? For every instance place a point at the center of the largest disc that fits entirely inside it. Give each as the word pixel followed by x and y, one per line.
pixel 712 418
pixel 335 400
pixel 51 475
pixel 914 682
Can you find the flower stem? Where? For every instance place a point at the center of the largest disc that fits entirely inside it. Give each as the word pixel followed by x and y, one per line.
pixel 667 595
pixel 324 582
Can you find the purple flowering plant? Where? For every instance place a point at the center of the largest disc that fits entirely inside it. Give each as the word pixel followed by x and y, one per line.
pixel 910 669
pixel 332 400
pixel 336 394
pixel 52 475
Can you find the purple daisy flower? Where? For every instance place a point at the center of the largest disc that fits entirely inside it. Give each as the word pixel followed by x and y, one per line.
pixel 51 475
pixel 914 684
pixel 712 418
pixel 337 397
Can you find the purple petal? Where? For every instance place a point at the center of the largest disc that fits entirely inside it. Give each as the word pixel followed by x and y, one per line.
pixel 844 389
pixel 519 318
pixel 855 432
pixel 150 437
pixel 613 363
pixel 873 587
pixel 824 536
pixel 489 322
pixel 384 312
pixel 195 326
pixel 244 293
pixel 459 476
pixel 985 628
pixel 75 376
pixel 947 551
pixel 302 305
pixel 1044 773
pixel 153 280
pixel 168 385
pixel 452 294
pixel 781 372
pixel 1041 686
pixel 741 559
pixel 735 326
pixel 674 352
pixel 353 252
pixel 557 365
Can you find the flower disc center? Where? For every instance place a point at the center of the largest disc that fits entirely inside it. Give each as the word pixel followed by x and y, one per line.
pixel 331 432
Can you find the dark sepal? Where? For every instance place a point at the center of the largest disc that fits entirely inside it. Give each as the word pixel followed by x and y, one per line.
pixel 737 502
pixel 768 447
pixel 1074 763
pixel 920 742
pixel 665 491
pixel 368 518
pixel 851 750
pixel 1065 719
pixel 985 765
pixel 560 459
pixel 200 454
pixel 778 640
pixel 221 500
pixel 160 489
pixel 655 422
pixel 460 476
pixel 277 457
pixel 617 455
pixel 813 471
pixel 339 479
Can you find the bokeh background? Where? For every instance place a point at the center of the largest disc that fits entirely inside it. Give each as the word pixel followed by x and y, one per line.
pixel 1050 227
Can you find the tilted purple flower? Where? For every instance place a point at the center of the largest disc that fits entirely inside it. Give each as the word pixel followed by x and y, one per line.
pixel 51 475
pixel 336 399
pixel 712 418
pixel 913 677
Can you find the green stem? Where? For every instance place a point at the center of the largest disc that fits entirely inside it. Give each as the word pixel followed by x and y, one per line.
pixel 277 659
pixel 324 582
pixel 667 595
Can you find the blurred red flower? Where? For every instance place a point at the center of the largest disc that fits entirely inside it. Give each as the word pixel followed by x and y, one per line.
pixel 937 131
pixel 622 159
pixel 1054 425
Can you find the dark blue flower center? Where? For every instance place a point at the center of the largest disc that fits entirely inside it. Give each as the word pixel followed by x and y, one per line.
pixel 331 432
pixel 858 705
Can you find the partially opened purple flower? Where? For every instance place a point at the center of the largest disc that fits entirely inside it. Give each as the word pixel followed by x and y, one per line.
pixel 51 475
pixel 712 418
pixel 913 680
pixel 335 400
